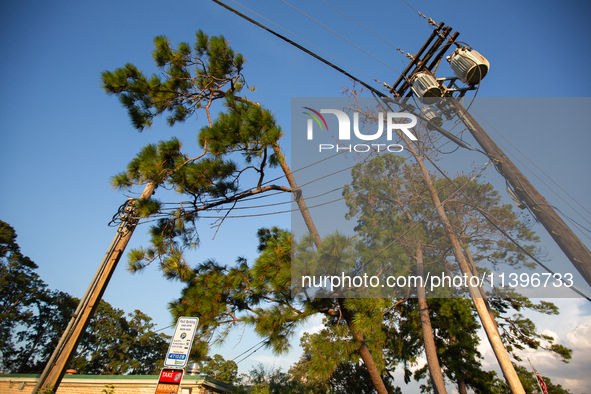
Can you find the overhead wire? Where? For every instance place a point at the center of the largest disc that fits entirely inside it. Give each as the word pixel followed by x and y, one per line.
pixel 488 216
pixel 375 34
pixel 425 217
pixel 248 350
pixel 340 36
pixel 542 171
pixel 419 12
pixel 263 343
pixel 154 218
pixel 261 206
pixel 298 46
pixel 484 214
pixel 306 41
pixel 319 58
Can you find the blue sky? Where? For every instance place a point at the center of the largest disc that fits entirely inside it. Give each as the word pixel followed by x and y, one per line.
pixel 62 137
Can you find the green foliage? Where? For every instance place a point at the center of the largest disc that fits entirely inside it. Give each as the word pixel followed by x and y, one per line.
pixel 274 381
pixel 257 296
pixel 191 78
pixel 34 317
pixel 218 368
pixel 117 345
pixel 388 200
pixel 244 128
pixel 530 384
pixel 46 390
pixel 19 285
pixel 331 365
pixel 109 389
pixel 31 316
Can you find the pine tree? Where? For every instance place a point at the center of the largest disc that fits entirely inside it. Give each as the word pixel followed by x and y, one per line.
pixel 388 199
pixel 192 79
pixel 211 179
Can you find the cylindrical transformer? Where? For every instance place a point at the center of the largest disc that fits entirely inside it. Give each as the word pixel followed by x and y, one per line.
pixel 427 88
pixel 469 66
pixel 433 115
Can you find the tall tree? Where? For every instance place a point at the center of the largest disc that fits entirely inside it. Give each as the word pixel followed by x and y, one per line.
pixel 192 79
pixel 246 128
pixel 34 317
pixel 31 315
pixel 219 368
pixel 330 365
pixel 116 344
pixel 386 193
pixel 20 286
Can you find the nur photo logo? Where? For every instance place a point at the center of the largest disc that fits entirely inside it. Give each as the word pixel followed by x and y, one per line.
pixel 344 130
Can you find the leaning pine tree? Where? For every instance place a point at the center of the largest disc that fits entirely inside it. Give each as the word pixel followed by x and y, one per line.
pixel 193 79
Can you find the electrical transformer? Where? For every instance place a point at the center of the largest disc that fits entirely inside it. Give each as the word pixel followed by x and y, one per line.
pixel 433 115
pixel 469 66
pixel 427 88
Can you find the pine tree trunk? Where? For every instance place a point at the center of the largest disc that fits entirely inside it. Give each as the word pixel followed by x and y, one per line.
pixel 366 356
pixel 364 352
pixel 482 292
pixel 299 198
pixel 428 339
pixel 488 323
pixel 462 385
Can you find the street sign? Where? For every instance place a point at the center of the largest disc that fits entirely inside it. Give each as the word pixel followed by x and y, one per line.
pixel 169 381
pixel 180 344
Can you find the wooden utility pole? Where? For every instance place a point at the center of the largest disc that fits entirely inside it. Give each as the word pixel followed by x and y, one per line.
pixel 62 355
pixel 426 61
pixel 566 239
pixel 488 322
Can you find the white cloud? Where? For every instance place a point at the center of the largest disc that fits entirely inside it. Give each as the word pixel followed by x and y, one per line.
pixel 572 328
pixel 313 326
pixel 580 337
pixel 275 362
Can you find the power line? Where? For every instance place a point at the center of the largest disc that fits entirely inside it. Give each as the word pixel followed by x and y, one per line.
pixel 387 42
pixel 340 36
pixel 156 217
pixel 299 47
pixel 486 215
pixel 306 41
pixel 246 351
pixel 419 12
pixel 542 171
pixel 162 329
pixel 429 20
pixel 260 206
pixel 253 352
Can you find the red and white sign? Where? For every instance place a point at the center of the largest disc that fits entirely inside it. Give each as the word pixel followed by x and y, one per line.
pixel 169 381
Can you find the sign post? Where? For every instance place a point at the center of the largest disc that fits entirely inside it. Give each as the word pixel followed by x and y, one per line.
pixel 180 344
pixel 177 356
